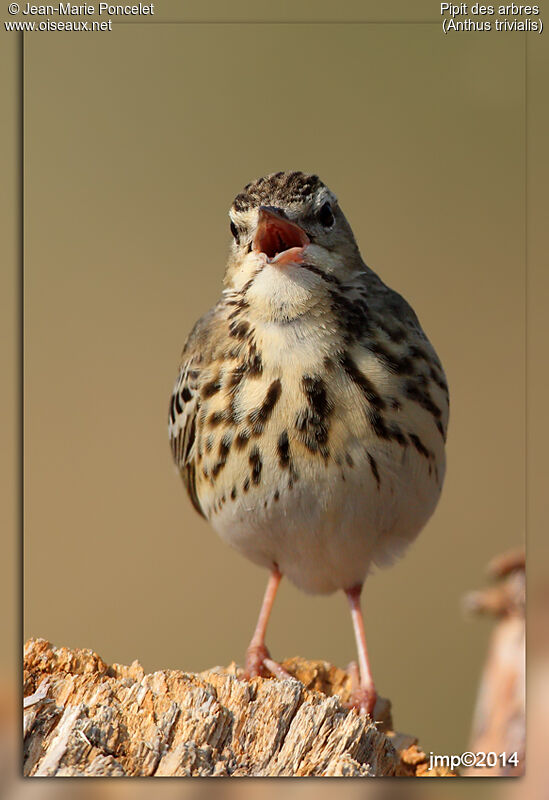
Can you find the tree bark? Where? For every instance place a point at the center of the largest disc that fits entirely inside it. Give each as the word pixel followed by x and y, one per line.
pixel 83 717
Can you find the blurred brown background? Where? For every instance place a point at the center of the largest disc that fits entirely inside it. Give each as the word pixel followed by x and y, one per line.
pixel 136 142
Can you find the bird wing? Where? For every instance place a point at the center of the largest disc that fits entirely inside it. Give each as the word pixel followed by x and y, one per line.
pixel 185 404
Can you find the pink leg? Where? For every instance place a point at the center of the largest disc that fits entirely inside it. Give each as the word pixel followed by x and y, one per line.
pixel 365 696
pixel 257 654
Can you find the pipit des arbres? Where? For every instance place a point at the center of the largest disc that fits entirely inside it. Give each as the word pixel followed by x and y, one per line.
pixel 309 416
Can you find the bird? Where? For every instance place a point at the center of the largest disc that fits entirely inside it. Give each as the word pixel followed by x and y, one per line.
pixel 309 415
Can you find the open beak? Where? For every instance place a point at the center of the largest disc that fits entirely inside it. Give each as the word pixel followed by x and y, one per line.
pixel 279 239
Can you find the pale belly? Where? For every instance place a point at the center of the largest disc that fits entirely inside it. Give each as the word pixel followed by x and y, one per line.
pixel 337 520
pixel 322 466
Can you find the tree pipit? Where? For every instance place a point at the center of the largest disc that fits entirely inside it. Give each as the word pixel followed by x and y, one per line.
pixel 309 416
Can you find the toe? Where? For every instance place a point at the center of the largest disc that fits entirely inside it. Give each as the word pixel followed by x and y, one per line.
pixel 276 669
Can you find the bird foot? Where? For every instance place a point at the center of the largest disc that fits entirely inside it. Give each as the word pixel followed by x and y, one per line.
pixel 364 700
pixel 362 697
pixel 367 701
pixel 255 656
pixel 259 662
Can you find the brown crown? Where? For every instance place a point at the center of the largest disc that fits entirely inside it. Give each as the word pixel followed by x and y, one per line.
pixel 279 189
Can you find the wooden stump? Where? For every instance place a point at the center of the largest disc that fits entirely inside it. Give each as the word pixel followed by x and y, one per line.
pixel 83 717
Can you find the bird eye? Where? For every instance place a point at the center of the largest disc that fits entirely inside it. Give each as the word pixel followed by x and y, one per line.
pixel 325 216
pixel 234 231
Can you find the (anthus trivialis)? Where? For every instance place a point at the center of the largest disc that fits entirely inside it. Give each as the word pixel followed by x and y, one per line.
pixel 309 416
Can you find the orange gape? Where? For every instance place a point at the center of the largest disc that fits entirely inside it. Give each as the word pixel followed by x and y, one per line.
pixel 279 239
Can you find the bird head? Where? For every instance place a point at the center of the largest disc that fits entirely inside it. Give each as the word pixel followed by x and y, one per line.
pixel 290 238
